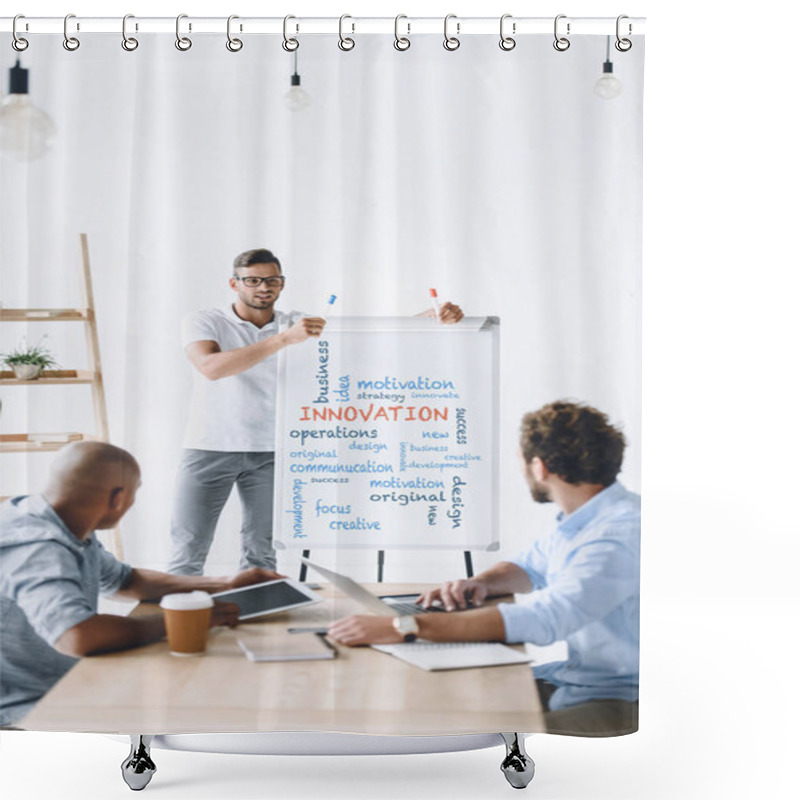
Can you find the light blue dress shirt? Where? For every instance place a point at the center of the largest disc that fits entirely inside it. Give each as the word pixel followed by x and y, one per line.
pixel 585 576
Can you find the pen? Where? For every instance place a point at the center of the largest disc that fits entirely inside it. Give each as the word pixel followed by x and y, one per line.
pixel 308 630
pixel 435 300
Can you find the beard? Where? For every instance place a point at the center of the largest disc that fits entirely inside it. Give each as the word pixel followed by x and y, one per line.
pixel 258 302
pixel 540 494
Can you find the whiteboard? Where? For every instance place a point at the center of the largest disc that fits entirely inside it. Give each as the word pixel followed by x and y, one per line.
pixel 387 436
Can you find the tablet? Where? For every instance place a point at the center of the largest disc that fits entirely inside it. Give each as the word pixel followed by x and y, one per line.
pixel 269 597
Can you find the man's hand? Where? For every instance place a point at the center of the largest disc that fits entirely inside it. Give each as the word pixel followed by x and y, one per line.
pixel 454 595
pixel 449 313
pixel 253 575
pixel 226 614
pixel 364 629
pixel 304 329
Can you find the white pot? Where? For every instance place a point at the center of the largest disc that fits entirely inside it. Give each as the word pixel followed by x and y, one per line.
pixel 27 372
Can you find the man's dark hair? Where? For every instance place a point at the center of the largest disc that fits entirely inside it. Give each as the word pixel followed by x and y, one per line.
pixel 575 442
pixel 257 256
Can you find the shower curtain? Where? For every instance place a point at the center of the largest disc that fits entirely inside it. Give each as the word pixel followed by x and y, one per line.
pixel 506 178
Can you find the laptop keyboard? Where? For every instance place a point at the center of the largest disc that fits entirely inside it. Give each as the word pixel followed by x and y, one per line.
pixel 406 608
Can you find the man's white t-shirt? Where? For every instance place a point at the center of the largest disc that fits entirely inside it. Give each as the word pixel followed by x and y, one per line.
pixel 237 413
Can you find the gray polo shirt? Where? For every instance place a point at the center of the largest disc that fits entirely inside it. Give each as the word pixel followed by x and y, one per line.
pixel 49 582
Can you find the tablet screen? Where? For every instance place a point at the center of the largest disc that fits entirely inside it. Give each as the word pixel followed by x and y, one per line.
pixel 267 598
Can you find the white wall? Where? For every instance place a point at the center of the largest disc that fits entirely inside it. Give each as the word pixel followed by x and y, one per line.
pixel 500 178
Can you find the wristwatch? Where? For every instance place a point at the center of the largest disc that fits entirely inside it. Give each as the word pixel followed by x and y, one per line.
pixel 407 627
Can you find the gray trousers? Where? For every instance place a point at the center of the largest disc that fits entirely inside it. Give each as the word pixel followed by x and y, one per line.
pixel 205 481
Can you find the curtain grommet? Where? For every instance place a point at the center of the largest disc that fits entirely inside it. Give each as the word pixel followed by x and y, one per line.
pixel 451 43
pixel 19 43
pixel 129 43
pixel 289 44
pixel 183 43
pixel 401 43
pixel 561 43
pixel 623 44
pixel 346 43
pixel 70 43
pixel 507 43
pixel 233 44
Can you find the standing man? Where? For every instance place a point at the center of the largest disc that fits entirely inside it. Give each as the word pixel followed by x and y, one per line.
pixel 230 435
pixel 583 578
pixel 52 569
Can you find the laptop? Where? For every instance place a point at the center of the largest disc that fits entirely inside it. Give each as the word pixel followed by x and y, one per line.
pixel 386 606
pixel 426 655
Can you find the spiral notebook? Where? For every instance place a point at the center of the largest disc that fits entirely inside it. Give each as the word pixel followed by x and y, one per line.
pixel 454 655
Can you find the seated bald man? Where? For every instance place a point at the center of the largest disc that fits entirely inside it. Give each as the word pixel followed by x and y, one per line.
pixel 53 568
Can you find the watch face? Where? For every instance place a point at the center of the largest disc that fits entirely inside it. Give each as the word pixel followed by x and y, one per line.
pixel 407 627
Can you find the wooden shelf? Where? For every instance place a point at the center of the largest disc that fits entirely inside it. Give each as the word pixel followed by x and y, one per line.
pixel 45 442
pixel 51 377
pixel 38 442
pixel 44 314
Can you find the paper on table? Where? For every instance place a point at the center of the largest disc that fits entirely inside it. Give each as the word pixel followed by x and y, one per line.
pixel 454 655
pixel 298 647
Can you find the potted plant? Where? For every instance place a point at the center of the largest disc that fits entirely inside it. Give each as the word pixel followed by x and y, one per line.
pixel 28 361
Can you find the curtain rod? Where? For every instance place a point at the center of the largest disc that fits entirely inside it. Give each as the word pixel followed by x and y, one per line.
pixel 349 25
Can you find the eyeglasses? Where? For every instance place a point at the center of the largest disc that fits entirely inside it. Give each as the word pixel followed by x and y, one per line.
pixel 252 281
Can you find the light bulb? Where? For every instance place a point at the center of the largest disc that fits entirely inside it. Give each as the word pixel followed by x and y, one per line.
pixel 607 86
pixel 26 132
pixel 296 99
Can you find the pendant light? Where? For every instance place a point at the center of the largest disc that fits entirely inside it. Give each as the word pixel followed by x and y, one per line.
pixel 296 99
pixel 607 86
pixel 26 132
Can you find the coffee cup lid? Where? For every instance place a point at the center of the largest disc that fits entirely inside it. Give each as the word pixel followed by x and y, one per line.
pixel 187 601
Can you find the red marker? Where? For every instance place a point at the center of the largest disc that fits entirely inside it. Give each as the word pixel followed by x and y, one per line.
pixel 435 300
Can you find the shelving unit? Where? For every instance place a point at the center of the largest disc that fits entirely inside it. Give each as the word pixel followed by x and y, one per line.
pixel 48 442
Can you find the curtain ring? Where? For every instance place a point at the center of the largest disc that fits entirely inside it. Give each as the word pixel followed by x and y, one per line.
pixel 129 43
pixel 234 45
pixel 70 42
pixel 18 43
pixel 346 42
pixel 183 43
pixel 561 43
pixel 507 42
pixel 289 44
pixel 401 42
pixel 451 42
pixel 623 45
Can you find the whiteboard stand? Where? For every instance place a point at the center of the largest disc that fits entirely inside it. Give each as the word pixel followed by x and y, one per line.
pixel 381 562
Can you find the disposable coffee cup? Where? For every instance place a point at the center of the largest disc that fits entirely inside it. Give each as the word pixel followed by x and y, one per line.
pixel 187 617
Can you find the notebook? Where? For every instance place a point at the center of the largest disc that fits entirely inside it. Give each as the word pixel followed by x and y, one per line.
pixel 454 655
pixel 298 647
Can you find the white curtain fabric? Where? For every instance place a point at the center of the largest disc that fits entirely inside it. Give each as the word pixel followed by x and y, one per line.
pixel 499 178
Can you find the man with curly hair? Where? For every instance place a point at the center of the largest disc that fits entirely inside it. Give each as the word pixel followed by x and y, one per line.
pixel 582 579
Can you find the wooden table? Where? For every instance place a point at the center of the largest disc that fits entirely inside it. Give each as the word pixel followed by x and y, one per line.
pixel 148 691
